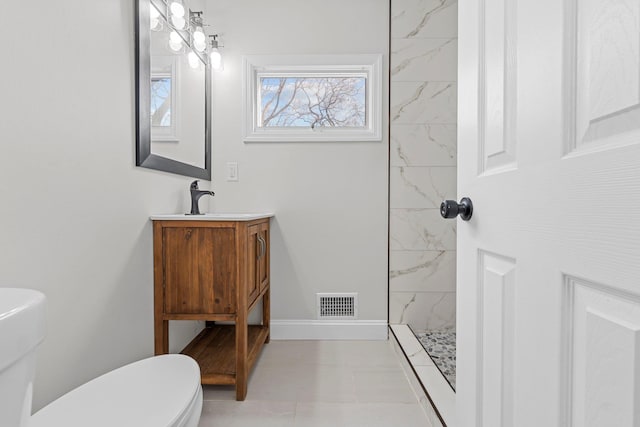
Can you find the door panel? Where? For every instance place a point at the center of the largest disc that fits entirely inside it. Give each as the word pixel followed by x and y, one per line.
pixel 496 329
pixel 497 85
pixel 602 355
pixel 606 74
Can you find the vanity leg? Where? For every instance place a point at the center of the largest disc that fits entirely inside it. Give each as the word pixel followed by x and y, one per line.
pixel 161 336
pixel 266 313
pixel 242 354
pixel 160 326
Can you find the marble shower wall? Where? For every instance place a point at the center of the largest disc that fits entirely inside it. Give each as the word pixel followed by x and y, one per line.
pixel 422 268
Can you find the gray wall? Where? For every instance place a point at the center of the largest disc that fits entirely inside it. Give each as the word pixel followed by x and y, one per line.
pixel 75 209
pixel 422 267
pixel 330 198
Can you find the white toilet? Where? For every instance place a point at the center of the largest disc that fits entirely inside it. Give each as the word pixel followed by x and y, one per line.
pixel 162 391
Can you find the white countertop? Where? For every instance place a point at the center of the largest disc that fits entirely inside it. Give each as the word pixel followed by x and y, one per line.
pixel 221 216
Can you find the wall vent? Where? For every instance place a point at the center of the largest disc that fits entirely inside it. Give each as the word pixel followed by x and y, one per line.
pixel 337 306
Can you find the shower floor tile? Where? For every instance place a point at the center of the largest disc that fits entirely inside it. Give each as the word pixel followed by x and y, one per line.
pixel 441 347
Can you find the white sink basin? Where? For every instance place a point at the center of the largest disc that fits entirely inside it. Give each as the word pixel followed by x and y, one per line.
pixel 217 216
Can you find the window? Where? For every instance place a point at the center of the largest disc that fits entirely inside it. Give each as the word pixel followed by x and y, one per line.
pixel 313 98
pixel 165 111
pixel 310 101
pixel 161 101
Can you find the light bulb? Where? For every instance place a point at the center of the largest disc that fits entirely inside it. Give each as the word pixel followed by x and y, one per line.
pixel 153 12
pixel 154 18
pixel 198 35
pixel 215 59
pixel 174 37
pixel 193 59
pixel 199 45
pixel 199 39
pixel 177 9
pixel 179 22
pixel 175 41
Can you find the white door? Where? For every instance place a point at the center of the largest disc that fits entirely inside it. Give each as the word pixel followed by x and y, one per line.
pixel 549 264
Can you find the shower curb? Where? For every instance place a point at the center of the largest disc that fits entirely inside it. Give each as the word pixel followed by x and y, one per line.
pixel 436 396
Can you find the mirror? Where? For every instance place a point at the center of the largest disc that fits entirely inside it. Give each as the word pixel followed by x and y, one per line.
pixel 173 95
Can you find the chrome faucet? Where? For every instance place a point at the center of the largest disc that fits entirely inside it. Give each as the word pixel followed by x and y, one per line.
pixel 196 193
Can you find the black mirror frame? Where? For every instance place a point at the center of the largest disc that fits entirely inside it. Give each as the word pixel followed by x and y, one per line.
pixel 144 157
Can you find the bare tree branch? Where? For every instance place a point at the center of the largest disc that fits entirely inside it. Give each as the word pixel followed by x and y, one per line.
pixel 314 101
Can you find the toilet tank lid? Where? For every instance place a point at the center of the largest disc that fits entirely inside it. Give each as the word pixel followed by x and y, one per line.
pixel 153 392
pixel 22 323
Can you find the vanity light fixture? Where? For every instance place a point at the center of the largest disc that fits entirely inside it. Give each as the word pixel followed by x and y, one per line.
pixel 215 57
pixel 186 32
pixel 198 36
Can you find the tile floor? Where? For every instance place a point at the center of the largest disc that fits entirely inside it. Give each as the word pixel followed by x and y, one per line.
pixel 320 383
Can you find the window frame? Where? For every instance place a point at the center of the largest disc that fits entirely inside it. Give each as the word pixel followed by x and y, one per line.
pixel 257 66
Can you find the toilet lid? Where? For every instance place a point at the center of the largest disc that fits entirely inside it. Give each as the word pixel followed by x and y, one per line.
pixel 154 392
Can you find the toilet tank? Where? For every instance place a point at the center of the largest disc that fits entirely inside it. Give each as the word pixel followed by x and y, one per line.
pixel 22 329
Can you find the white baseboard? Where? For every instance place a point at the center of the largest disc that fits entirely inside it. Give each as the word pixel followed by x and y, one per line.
pixel 329 330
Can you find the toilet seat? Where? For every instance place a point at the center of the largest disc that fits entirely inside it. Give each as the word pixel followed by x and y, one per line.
pixel 162 391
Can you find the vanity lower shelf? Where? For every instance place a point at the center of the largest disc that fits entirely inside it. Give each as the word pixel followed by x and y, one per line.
pixel 215 351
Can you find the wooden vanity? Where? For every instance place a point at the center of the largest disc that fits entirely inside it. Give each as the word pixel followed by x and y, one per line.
pixel 213 267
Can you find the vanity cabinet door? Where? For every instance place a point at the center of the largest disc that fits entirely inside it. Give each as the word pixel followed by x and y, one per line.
pixel 263 261
pixel 199 270
pixel 254 251
pixel 257 260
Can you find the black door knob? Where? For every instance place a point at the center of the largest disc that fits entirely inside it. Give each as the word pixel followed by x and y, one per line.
pixel 451 209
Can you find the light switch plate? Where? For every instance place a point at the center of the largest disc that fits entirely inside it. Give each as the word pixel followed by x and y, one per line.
pixel 232 171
